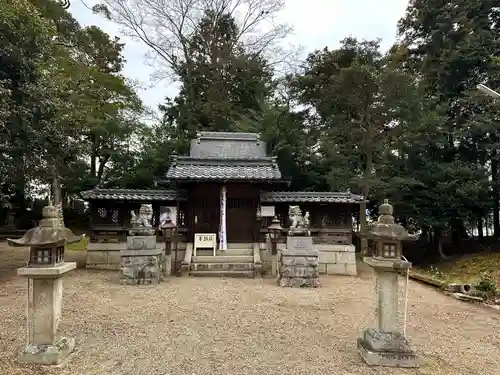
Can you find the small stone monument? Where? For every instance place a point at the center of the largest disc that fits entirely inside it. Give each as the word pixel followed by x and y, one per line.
pixel 299 263
pixel 385 345
pixel 142 262
pixel 44 271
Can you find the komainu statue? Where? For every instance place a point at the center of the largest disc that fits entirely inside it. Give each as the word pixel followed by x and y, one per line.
pixel 142 223
pixel 299 225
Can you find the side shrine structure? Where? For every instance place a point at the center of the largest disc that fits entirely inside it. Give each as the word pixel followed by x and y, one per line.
pixel 227 193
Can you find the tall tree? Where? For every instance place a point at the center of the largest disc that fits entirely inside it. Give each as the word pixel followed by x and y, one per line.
pixel 225 81
pixel 64 83
pixel 453 46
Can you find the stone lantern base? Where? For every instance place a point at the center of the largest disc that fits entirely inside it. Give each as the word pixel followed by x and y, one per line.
pixel 386 349
pixel 45 345
pixel 48 354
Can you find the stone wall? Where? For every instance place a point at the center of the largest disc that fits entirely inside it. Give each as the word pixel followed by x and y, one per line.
pixel 106 256
pixel 337 259
pixel 333 259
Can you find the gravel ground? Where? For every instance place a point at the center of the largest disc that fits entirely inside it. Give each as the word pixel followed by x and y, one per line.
pixel 205 326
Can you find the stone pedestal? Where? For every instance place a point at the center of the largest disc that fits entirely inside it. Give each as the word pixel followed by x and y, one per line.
pixel 142 262
pixel 299 263
pixel 45 344
pixel 385 345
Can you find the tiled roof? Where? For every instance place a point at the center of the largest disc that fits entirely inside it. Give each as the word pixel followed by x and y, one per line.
pixel 305 196
pixel 133 195
pixel 188 168
pixel 227 145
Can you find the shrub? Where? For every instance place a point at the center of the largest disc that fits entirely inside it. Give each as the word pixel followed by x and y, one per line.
pixel 486 286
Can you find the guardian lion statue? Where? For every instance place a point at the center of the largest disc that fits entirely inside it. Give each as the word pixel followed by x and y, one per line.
pixel 299 224
pixel 142 222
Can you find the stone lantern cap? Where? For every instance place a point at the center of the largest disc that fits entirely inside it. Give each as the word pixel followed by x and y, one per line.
pixel 49 232
pixel 386 227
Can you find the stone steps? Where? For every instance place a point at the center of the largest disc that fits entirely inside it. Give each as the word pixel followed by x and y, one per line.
pixel 222 266
pixel 223 259
pixel 228 252
pixel 228 273
pixel 230 263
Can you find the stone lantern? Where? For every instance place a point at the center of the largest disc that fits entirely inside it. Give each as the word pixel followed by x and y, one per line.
pixel 385 345
pixel 44 271
pixel 274 230
pixel 169 234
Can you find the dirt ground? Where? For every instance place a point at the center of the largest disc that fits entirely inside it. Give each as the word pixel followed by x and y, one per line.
pixel 205 326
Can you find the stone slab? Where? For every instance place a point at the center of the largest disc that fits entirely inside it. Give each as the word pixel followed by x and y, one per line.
pixel 338 269
pixel 345 258
pixel 387 265
pixel 47 272
pixel 48 354
pixel 299 243
pixel 324 248
pixel 141 242
pixel 300 253
pixel 299 258
pixel 222 266
pixel 139 253
pixel 387 359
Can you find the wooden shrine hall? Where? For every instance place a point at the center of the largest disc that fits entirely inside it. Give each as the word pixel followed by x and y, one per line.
pixel 227 187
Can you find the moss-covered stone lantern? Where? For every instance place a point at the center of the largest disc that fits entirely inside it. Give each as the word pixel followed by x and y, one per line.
pixel 44 271
pixel 386 345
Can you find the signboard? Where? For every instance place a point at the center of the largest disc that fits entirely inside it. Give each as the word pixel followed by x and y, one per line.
pixel 267 211
pixel 205 241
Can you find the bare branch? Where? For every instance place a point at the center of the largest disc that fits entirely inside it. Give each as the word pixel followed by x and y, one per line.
pixel 165 26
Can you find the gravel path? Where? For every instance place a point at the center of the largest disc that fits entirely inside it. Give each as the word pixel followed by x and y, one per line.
pixel 206 326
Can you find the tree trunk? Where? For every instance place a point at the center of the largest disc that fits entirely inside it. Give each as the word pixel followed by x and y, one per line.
pixel 480 228
pixel 365 189
pixel 438 240
pixel 93 157
pixel 496 195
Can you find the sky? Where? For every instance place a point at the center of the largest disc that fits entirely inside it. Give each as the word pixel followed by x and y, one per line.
pixel 316 24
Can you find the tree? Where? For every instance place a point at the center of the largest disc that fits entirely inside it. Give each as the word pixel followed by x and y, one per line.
pixel 65 85
pixel 453 46
pixel 167 26
pixel 225 83
pixel 26 42
pixel 356 96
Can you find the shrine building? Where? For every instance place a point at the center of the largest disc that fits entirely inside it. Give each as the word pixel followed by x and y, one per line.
pixel 229 190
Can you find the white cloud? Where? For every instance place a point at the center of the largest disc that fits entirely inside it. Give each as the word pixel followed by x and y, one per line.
pixel 316 23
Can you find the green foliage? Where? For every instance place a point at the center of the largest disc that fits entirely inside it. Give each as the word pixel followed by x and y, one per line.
pixel 486 285
pixel 64 101
pixel 81 245
pixel 436 273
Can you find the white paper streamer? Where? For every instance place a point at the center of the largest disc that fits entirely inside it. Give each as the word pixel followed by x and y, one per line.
pixel 222 233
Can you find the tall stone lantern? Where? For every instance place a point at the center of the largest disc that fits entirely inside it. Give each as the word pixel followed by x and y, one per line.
pixel 385 345
pixel 45 269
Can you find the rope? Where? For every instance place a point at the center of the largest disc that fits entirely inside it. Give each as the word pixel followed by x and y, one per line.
pixel 405 316
pixel 28 311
